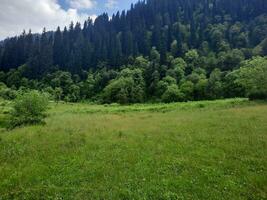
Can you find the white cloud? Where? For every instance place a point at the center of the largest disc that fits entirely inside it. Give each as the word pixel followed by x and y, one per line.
pixel 82 4
pixel 93 17
pixel 111 4
pixel 17 15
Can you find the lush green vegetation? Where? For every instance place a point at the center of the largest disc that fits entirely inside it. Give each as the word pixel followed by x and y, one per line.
pixel 130 85
pixel 109 132
pixel 29 108
pixel 158 51
pixel 195 150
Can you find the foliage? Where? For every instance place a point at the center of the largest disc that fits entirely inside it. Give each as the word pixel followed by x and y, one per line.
pixel 132 56
pixel 127 88
pixel 29 108
pixel 173 27
pixel 215 90
pixel 252 76
pixel 7 93
pixel 58 94
pixel 187 88
pixel 172 94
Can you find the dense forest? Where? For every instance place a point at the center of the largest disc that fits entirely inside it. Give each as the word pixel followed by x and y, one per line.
pixel 158 50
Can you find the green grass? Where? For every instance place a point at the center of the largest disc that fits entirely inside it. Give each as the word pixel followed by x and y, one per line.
pixel 196 150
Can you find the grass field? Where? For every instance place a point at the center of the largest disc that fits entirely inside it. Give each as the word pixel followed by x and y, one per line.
pixel 198 150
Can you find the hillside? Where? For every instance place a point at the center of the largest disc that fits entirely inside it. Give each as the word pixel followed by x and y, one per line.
pixel 169 25
pixel 192 46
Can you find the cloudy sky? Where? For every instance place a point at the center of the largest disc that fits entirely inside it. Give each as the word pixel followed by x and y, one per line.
pixel 17 15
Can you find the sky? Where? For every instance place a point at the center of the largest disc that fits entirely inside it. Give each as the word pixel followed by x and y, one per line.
pixel 19 15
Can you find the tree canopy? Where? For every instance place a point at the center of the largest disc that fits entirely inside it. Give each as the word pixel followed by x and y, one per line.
pixel 159 49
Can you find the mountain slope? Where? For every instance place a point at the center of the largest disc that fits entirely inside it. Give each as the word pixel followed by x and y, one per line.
pixel 207 25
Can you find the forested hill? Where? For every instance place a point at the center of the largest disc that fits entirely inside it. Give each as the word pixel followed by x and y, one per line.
pixel 162 38
pixel 170 25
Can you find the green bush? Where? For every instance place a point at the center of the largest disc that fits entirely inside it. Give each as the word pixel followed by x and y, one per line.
pixel 252 76
pixel 127 88
pixel 257 95
pixel 28 108
pixel 119 91
pixel 172 94
pixel 7 93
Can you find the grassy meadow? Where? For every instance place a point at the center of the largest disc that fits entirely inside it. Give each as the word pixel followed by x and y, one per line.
pixel 195 150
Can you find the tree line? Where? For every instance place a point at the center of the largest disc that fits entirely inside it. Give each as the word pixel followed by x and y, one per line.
pixel 158 50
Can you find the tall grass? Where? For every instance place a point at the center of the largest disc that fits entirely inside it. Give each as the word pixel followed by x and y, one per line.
pixel 196 150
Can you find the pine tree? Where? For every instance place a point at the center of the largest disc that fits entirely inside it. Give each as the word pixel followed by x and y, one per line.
pixel 57 48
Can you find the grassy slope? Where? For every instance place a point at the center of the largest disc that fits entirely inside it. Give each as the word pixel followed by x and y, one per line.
pixel 203 150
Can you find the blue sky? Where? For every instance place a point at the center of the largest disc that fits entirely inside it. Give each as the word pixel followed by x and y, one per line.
pixel 102 6
pixel 19 15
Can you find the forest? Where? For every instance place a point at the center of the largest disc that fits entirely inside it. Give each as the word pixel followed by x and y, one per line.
pixel 157 51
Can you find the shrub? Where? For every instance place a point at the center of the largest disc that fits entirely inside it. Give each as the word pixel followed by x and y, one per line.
pixel 172 94
pixel 58 92
pixel 257 95
pixel 29 108
pixel 252 76
pixel 187 88
pixel 74 94
pixel 119 91
pixel 7 93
